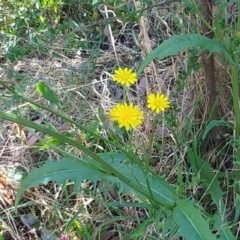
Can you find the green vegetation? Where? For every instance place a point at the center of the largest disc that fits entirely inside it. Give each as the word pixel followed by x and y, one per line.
pixel 119 119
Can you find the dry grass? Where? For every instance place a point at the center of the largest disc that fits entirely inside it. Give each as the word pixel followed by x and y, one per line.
pixel 82 91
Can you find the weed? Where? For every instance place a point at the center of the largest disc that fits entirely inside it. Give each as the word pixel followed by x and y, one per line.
pixel 120 113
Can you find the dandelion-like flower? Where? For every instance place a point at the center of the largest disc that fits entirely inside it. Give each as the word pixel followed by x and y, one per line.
pixel 125 76
pixel 126 115
pixel 157 102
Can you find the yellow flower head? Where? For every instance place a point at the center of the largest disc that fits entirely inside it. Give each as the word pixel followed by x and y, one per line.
pixel 126 115
pixel 157 102
pixel 124 76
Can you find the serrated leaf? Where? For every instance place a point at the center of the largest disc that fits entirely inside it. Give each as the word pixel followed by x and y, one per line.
pixel 215 123
pixel 77 171
pixel 47 93
pixel 60 171
pixel 209 179
pixel 160 190
pixel 191 223
pixel 178 43
pixel 212 185
pixel 142 87
pixel 222 228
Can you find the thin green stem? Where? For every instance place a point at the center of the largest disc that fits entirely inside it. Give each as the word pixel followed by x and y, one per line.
pixel 65 190
pixel 235 75
pixel 99 162
pixel 195 7
pixel 124 94
pixel 151 142
pixel 103 164
pixel 131 157
pixel 69 120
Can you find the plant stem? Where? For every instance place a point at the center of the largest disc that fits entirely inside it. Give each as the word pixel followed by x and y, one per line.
pixel 69 120
pixel 202 14
pixel 235 86
pixel 151 142
pixel 103 165
pixel 131 156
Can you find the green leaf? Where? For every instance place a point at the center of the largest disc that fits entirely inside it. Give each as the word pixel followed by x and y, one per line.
pixel 130 204
pixel 140 230
pixel 47 93
pixel 94 2
pixel 191 223
pixel 60 171
pixel 209 179
pixel 96 159
pixel 169 229
pixel 178 43
pixel 160 190
pixel 212 185
pixel 77 171
pixel 215 123
pixel 222 227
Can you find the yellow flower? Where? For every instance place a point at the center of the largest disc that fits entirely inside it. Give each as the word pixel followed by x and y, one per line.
pixel 126 115
pixel 124 76
pixel 158 102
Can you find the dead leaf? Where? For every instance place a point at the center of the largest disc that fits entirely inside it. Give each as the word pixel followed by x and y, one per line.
pixel 142 87
pixel 47 235
pixel 63 128
pixel 28 220
pixel 31 140
pixel 113 193
pixel 116 92
pixel 163 131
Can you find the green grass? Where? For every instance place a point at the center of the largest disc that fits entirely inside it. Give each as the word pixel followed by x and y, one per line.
pixel 69 48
